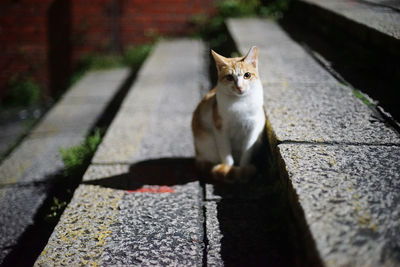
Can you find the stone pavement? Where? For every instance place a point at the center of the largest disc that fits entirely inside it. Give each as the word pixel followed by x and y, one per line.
pixel 141 203
pixel 357 39
pixel 380 15
pixel 28 173
pixel 341 162
pixel 123 213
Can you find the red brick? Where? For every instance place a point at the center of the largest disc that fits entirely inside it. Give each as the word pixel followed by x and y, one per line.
pixel 24 33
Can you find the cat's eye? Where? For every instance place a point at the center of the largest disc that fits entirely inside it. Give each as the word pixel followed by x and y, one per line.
pixel 229 77
pixel 247 75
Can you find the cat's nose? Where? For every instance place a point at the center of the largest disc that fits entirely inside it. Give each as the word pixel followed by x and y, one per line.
pixel 239 88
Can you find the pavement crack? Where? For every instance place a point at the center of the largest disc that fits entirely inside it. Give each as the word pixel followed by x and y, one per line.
pixel 204 211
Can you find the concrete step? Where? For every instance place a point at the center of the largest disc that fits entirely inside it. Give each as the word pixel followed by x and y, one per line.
pixel 373 22
pixel 340 162
pixel 359 40
pixel 140 202
pixel 29 171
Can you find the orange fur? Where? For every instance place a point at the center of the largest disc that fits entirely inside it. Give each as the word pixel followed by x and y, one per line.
pixel 228 173
pixel 225 70
pixel 221 171
pixel 198 127
pixel 237 77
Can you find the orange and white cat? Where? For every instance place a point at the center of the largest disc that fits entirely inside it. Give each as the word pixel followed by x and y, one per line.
pixel 228 123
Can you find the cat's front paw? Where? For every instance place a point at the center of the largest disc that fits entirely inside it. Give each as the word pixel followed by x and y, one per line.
pixel 224 172
pixel 230 174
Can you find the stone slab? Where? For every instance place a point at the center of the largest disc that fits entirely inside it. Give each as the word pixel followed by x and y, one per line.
pixel 86 222
pixel 107 227
pixel 351 200
pixel 303 102
pixel 98 84
pixel 373 14
pixel 280 59
pixel 17 213
pixel 342 161
pixel 37 159
pixel 74 119
pixel 247 225
pixel 159 229
pixel 214 235
pixel 11 132
pixel 83 104
pixel 323 112
pixel 140 202
pixel 159 103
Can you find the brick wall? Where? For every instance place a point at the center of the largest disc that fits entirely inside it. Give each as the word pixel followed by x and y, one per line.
pixel 46 38
pixel 23 41
pixel 140 19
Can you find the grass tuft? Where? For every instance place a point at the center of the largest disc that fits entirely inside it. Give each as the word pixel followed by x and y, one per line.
pixel 75 157
pixel 24 91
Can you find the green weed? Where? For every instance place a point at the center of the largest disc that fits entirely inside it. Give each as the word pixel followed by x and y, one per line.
pixel 238 8
pixel 101 62
pixel 274 10
pixel 132 57
pixel 362 97
pixel 212 28
pixel 56 208
pixel 75 157
pixel 24 91
pixel 135 55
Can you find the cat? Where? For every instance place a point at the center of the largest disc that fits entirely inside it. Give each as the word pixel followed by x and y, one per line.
pixel 228 123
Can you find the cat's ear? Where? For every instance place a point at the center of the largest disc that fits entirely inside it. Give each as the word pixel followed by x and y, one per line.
pixel 252 57
pixel 220 61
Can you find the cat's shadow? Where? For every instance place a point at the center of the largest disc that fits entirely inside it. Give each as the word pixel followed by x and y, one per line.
pixel 163 171
pixel 251 223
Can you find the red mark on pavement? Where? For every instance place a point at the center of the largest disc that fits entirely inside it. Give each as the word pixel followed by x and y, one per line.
pixel 153 189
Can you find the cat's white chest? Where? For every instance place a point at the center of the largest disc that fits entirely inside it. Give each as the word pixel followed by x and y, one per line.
pixel 242 118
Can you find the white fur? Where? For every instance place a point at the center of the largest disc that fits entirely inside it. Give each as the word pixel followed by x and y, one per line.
pixel 240 106
pixel 243 121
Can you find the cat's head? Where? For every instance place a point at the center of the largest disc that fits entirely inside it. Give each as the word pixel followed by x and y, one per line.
pixel 237 76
